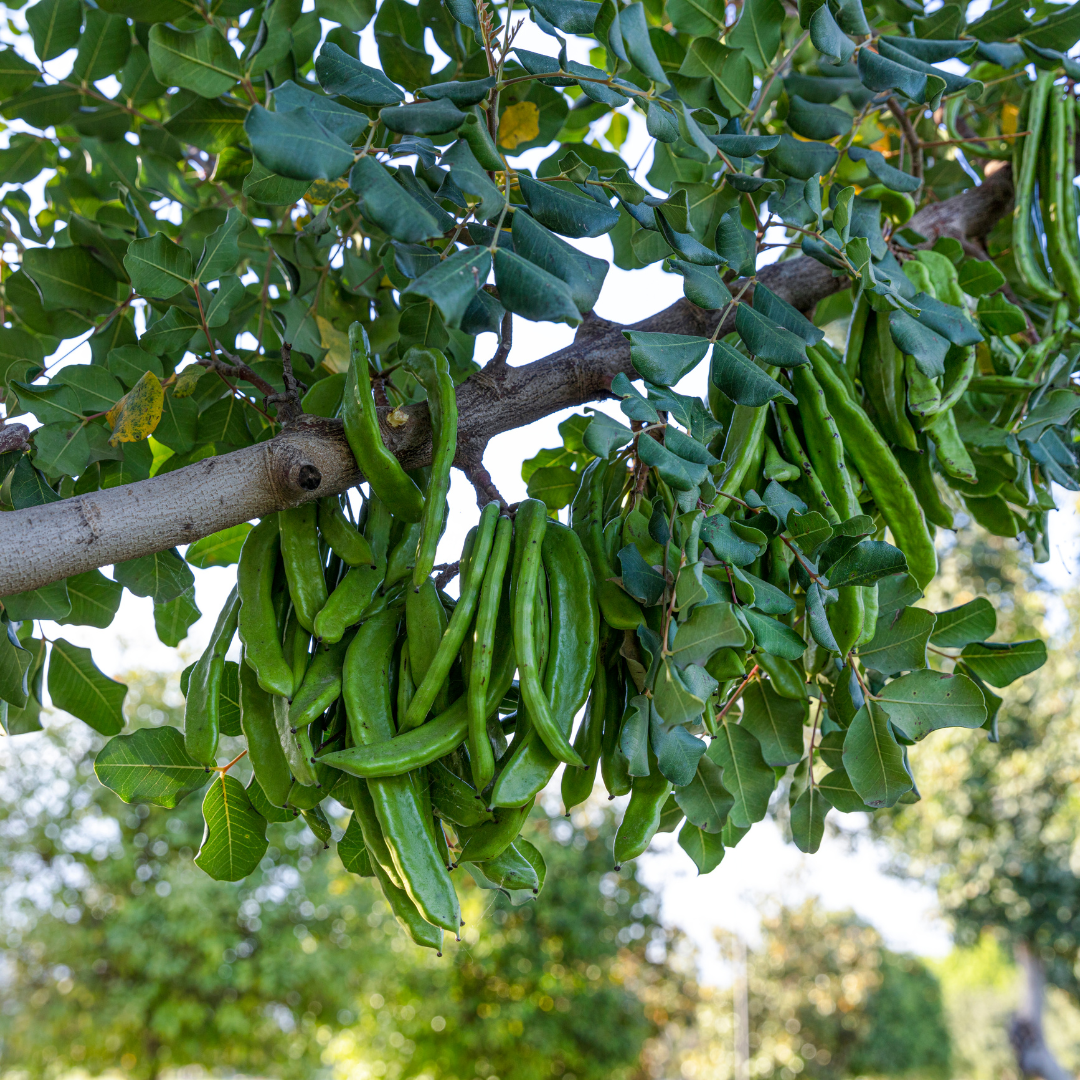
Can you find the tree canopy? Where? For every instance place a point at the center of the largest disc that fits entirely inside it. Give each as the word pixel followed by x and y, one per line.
pixel 283 256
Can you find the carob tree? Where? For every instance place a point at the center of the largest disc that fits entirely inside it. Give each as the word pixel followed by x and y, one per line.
pixel 283 256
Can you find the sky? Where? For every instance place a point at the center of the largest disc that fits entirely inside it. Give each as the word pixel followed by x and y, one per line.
pixel 764 869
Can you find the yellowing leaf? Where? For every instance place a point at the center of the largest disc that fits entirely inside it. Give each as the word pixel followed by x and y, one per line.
pixel 137 413
pixel 519 124
pixel 322 191
pixel 337 344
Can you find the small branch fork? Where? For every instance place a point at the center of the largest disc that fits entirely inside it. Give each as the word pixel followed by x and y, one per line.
pixel 470 460
pixel 288 403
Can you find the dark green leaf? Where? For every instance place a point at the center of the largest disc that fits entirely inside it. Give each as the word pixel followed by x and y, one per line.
pixel 876 163
pixel 388 206
pixel 344 75
pixel 158 267
pixel 347 124
pixel 54 26
pixel 554 485
pixel 103 47
pixel 745 774
pixel 710 627
pixel 452 284
pixel 899 642
pixel 742 380
pixel 873 759
pixel 836 787
pixel 569 215
pixel 634 739
pixel 677 753
pixel 828 38
pixel 732 542
pixel 808 813
pixel 926 701
pixel 706 849
pixel 768 341
pixel 674 700
pixel 1000 664
pixel 803 159
pixel 163 575
pixel 49 602
pixel 665 358
pixel 866 563
pixel 174 618
pixel 527 290
pixel 77 686
pixel 701 284
pixel 71 278
pixel 202 60
pixel 94 598
pixel 149 765
pixel 294 144
pixel 774 637
pixel 423 118
pixel 639 579
pixel 582 273
pixel 814 121
pixel 776 722
pixel 963 625
pixel 925 345
pixel 704 801
pixel 783 314
pixel 211 124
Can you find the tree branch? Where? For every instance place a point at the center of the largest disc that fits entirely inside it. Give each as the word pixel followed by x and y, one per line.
pixel 311 458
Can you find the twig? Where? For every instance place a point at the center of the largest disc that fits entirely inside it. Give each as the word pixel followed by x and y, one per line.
pixel 738 691
pixel 472 465
pixel 289 407
pixel 912 139
pixel 236 370
pixel 446 573
pixel 503 351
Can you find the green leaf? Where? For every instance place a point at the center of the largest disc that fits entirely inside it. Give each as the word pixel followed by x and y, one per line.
pixel 583 274
pixel 352 851
pixel 347 124
pixel 604 435
pixel 732 542
pixel 873 759
pixel 744 773
pixel 836 787
pixel 865 563
pixel 768 341
pixel 701 284
pixel 1060 31
pixel 15 662
pixel 77 686
pixel 268 188
pixel 178 424
pixel 803 159
pixel 201 61
pixel 174 618
pixel 103 47
pixel 211 124
pixel 702 18
pixel 892 178
pixel 828 38
pixel 571 16
pixel 94 598
pixel 221 252
pixel 634 737
pixel 54 26
pixel 158 267
pixel 388 206
pixel 452 284
pixel 294 144
pixel 234 839
pixel 665 358
pixel 639 579
pixel 565 213
pixel 677 753
pixel 149 765
pixel 710 627
pixel 758 31
pixel 706 849
pixel 998 316
pixel 229 700
pixel 21 354
pixel 899 642
pixel 814 121
pixel 1058 407
pixel 95 389
pixel 774 637
pixel 776 722
pixel 674 701
pixel 925 345
pixel 963 625
pixel 16 74
pixel 808 813
pixel 705 801
pixel 49 602
pixel 742 380
pixel 70 278
pixel 554 485
pixel 783 314
pixel 218 549
pixel 129 363
pixel 423 118
pixel 60 449
pixel 527 290
pixel 925 701
pixel 472 179
pixel 999 663
pixel 343 75
pixel 163 575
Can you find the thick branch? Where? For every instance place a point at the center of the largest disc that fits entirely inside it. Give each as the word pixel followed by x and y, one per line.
pixel 1033 1056
pixel 311 458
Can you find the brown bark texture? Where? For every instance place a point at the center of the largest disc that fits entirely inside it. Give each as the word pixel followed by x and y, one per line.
pixel 311 458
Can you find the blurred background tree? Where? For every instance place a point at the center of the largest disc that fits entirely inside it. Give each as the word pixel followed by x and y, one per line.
pixel 120 954
pixel 826 999
pixel 998 824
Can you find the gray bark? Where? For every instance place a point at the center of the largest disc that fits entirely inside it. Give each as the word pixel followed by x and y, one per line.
pixel 1033 1056
pixel 311 459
